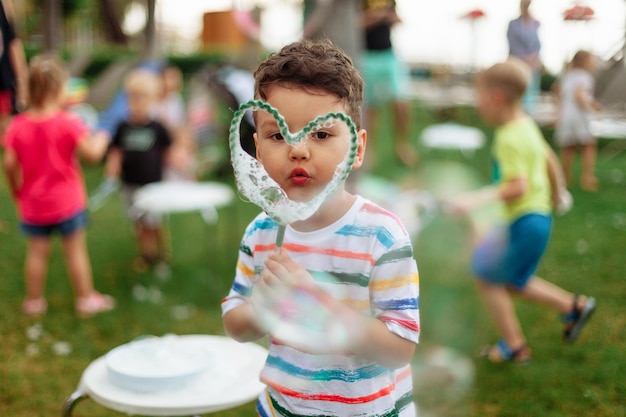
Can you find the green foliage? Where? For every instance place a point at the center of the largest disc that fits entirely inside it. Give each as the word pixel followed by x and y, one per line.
pixel 190 64
pixel 70 7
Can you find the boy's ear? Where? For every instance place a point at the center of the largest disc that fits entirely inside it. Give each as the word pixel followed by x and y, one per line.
pixel 360 151
pixel 498 96
pixel 256 146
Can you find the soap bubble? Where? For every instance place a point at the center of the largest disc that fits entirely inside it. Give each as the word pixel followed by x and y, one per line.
pixel 442 379
pixel 295 316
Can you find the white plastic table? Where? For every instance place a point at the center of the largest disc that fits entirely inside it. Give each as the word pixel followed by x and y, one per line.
pixel 450 135
pixel 167 197
pixel 610 128
pixel 179 196
pixel 231 380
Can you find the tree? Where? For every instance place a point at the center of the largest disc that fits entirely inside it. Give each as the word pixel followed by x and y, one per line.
pixel 53 25
pixel 111 16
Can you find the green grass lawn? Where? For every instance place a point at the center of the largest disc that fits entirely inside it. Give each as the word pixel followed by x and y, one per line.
pixel 586 255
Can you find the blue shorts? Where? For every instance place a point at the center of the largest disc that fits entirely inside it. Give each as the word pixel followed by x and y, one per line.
pixel 65 228
pixel 510 255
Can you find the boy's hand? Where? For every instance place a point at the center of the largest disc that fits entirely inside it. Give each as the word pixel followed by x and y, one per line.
pixel 563 201
pixel 460 205
pixel 290 306
pixel 280 276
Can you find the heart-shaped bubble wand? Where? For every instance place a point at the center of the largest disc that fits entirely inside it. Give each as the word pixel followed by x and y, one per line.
pixel 256 185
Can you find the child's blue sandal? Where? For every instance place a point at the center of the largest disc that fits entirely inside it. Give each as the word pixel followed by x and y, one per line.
pixel 502 352
pixel 576 319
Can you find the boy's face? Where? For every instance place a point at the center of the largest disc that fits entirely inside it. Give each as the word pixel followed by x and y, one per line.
pixel 305 169
pixel 487 103
pixel 140 101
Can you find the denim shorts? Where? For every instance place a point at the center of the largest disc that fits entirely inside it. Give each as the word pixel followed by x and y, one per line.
pixel 65 227
pixel 510 255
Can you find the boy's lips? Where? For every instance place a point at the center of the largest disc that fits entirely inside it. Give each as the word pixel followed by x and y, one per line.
pixel 299 176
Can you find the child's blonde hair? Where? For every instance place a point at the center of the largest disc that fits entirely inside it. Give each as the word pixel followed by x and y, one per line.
pixel 47 78
pixel 510 77
pixel 143 81
pixel 580 58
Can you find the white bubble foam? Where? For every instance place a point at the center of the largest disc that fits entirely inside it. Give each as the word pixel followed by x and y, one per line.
pixel 256 185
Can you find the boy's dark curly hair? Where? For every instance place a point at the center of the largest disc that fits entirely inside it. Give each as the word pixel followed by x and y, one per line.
pixel 317 65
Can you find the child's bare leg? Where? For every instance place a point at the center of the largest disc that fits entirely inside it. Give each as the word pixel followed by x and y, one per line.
pixel 567 161
pixel 78 264
pixel 500 307
pixel 149 242
pixel 36 266
pixel 543 292
pixel 404 149
pixel 588 179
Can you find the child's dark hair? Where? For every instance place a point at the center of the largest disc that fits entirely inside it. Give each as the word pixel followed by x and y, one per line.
pixel 46 78
pixel 315 65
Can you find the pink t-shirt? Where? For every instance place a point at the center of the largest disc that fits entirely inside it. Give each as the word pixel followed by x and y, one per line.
pixel 53 188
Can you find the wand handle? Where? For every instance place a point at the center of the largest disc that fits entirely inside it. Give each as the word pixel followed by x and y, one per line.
pixel 280 235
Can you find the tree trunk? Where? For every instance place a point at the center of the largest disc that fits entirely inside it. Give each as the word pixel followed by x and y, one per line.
pixel 342 25
pixel 111 21
pixel 151 41
pixel 53 25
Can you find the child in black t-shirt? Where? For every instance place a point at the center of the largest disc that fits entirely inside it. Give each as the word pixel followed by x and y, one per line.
pixel 136 157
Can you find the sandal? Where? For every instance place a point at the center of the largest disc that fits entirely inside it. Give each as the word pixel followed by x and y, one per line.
pixel 501 352
pixel 95 303
pixel 576 319
pixel 35 307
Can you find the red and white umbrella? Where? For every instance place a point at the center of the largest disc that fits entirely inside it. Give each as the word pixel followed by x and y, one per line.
pixel 578 12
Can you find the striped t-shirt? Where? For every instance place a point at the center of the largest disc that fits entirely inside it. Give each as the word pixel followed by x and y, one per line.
pixel 370 255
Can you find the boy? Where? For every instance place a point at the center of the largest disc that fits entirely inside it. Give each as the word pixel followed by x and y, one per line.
pixel 525 167
pixel 364 247
pixel 137 155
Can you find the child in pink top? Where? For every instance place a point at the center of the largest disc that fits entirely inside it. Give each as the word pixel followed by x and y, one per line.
pixel 41 162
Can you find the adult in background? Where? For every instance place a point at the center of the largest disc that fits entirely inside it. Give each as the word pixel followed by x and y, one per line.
pixel 386 77
pixel 523 37
pixel 13 69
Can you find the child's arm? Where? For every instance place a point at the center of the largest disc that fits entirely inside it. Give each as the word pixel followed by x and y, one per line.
pixel 561 198
pixel 93 148
pixel 585 99
pixel 371 338
pixel 240 324
pixel 113 165
pixel 20 69
pixel 12 171
pixel 507 191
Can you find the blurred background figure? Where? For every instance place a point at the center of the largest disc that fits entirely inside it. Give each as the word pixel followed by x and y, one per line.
pixel 170 109
pixel 13 73
pixel 13 69
pixel 76 95
pixel 575 97
pixel 386 79
pixel 46 180
pixel 137 156
pixel 523 37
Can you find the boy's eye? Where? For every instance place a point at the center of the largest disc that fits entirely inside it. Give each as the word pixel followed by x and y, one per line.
pixel 276 136
pixel 320 135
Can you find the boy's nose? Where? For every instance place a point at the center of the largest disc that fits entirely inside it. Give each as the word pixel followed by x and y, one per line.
pixel 299 151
